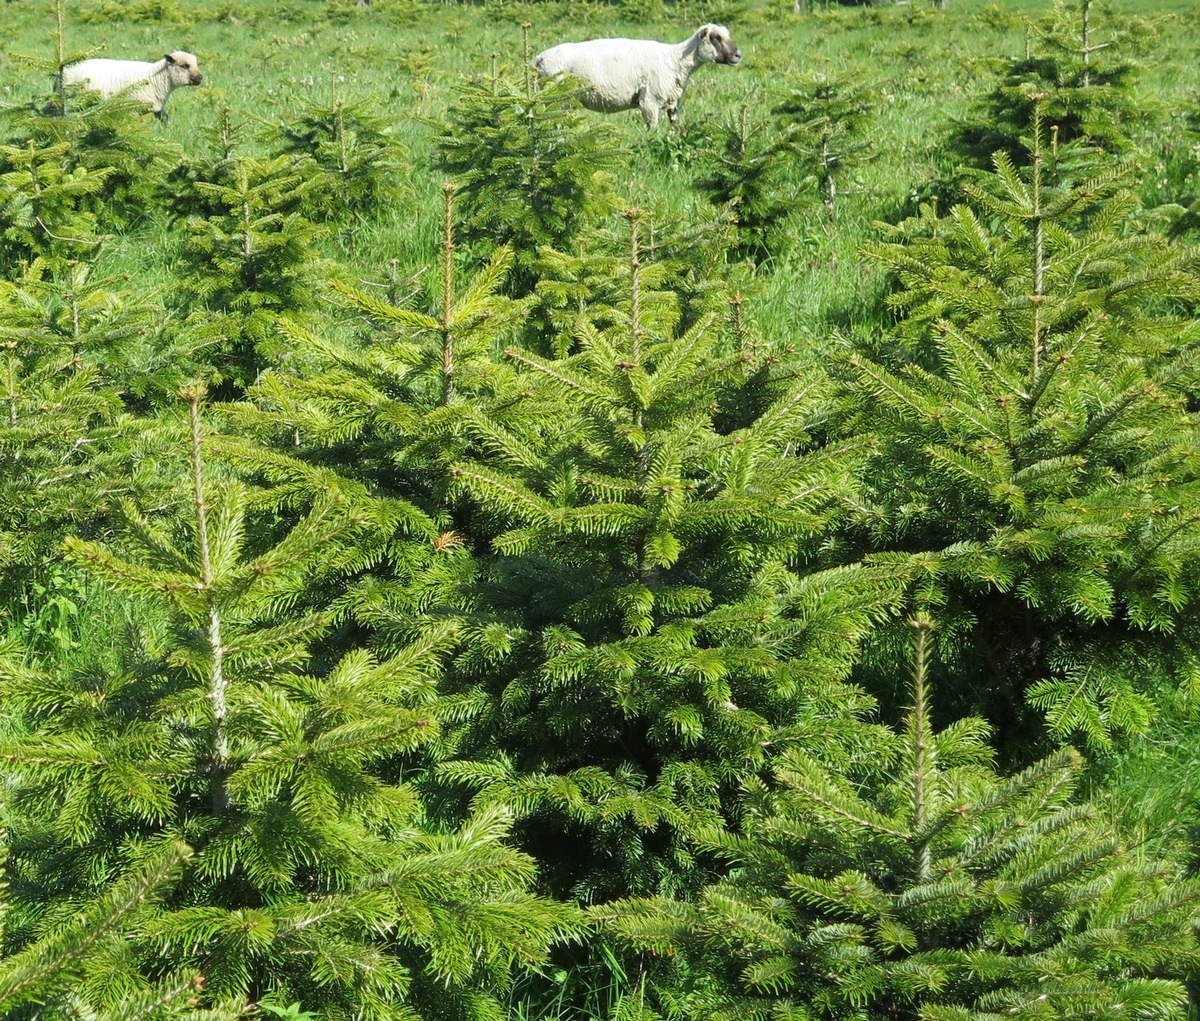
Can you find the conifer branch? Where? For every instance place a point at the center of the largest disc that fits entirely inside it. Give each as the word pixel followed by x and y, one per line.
pixel 1145 553
pixel 166 999
pixel 555 371
pixel 514 496
pixel 1100 422
pixel 810 783
pixel 361 736
pixel 25 975
pixel 374 307
pixel 960 342
pixel 183 589
pixel 1052 367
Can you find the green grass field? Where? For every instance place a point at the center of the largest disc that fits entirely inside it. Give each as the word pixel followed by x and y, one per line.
pixel 262 60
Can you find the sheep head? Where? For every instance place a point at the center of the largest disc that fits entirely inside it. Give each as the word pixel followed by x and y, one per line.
pixel 716 45
pixel 183 68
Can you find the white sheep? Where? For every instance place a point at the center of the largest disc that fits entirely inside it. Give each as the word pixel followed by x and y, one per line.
pixel 628 74
pixel 149 83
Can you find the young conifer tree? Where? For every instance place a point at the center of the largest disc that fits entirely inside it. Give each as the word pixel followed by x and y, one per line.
pixel 54 192
pixel 51 413
pixel 638 634
pixel 531 168
pixel 85 318
pixel 923 885
pixel 750 174
pixel 684 276
pixel 47 211
pixel 629 631
pixel 359 162
pixel 1037 465
pixel 1081 62
pixel 248 253
pixel 73 346
pixel 108 139
pixel 393 412
pixel 581 286
pixel 825 120
pixel 313 877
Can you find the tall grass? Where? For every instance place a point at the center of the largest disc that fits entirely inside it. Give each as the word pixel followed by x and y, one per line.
pixel 262 59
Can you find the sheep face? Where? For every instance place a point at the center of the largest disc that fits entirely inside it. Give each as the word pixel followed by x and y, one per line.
pixel 717 46
pixel 183 68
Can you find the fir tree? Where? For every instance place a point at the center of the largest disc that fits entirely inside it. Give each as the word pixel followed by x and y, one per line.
pixel 394 412
pixel 532 170
pixel 579 288
pixel 685 276
pixel 80 317
pixel 313 877
pixel 81 356
pixel 922 884
pixel 628 630
pixel 249 252
pixel 1037 463
pixel 222 142
pixel 751 175
pixel 47 208
pixel 359 161
pixel 638 635
pixel 110 140
pixel 1080 63
pixel 825 118
pixel 53 189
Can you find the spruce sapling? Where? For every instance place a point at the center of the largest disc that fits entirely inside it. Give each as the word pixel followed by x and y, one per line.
pixel 640 635
pixel 249 255
pixel 921 883
pixel 1032 408
pixel 825 120
pixel 530 168
pixel 360 162
pixel 1086 80
pixel 313 877
pixel 750 174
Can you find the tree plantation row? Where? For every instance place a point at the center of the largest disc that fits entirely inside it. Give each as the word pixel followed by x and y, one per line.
pixel 466 557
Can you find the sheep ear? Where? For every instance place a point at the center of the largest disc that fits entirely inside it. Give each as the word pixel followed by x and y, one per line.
pixel 168 58
pixel 705 31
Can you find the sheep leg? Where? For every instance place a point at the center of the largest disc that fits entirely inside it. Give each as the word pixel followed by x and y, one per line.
pixel 673 114
pixel 648 107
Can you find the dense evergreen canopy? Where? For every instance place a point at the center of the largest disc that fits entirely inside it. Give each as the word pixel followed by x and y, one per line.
pixel 463 560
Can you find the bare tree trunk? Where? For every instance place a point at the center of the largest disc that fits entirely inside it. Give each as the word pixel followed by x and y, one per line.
pixel 218 684
pixel 1087 49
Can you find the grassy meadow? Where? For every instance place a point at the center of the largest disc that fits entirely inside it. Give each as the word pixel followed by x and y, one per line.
pixel 263 60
